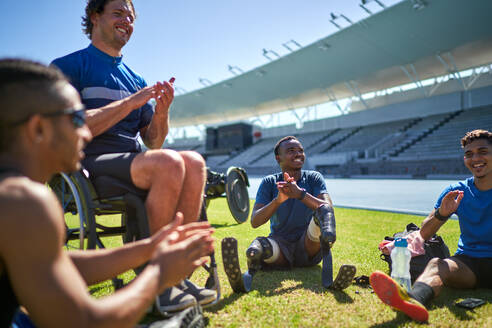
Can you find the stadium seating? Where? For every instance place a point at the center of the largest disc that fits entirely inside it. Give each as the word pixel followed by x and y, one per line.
pixel 405 147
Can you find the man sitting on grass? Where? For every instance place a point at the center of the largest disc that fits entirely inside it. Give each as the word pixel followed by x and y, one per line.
pixel 302 220
pixel 471 266
pixel 43 131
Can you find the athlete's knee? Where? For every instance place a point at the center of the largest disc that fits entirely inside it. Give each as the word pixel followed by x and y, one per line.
pixel 168 160
pixel 193 160
pixel 259 250
pixel 437 267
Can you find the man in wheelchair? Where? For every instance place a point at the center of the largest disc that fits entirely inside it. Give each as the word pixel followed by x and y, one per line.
pixel 118 110
pixel 43 131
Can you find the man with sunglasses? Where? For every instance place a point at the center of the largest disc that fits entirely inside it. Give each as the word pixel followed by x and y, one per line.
pixel 43 131
pixel 118 111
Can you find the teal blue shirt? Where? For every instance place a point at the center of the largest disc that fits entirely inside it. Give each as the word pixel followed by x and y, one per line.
pixel 292 217
pixel 475 219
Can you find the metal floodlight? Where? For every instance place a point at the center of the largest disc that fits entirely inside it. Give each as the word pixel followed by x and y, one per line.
pixel 234 70
pixel 267 52
pixel 294 42
pixel 334 17
pixel 205 82
pixel 363 4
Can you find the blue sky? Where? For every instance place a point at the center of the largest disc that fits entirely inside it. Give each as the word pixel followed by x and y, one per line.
pixel 188 39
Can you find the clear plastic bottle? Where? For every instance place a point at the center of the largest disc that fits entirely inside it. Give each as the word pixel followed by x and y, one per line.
pixel 400 263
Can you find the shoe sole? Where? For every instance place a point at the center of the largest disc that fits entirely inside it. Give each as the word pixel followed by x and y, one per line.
pixel 188 318
pixel 388 291
pixel 207 300
pixel 344 277
pixel 232 269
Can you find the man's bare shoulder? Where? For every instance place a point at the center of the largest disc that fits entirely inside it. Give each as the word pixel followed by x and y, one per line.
pixel 28 207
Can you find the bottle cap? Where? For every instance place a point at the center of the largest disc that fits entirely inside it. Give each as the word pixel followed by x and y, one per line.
pixel 401 242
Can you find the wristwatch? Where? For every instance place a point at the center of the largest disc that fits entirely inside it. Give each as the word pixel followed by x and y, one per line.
pixel 303 194
pixel 439 216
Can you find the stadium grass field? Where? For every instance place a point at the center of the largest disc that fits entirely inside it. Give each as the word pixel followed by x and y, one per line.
pixel 297 299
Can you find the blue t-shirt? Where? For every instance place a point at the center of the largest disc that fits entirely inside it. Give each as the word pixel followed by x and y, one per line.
pixel 100 80
pixel 292 217
pixel 475 218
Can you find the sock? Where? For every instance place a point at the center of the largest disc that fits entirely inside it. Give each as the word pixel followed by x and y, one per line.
pixel 313 231
pixel 421 292
pixel 275 252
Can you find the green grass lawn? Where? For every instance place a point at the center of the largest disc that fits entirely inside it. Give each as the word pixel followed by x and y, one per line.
pixel 296 298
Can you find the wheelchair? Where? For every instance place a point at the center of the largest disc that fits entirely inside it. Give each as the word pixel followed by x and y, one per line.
pixel 86 199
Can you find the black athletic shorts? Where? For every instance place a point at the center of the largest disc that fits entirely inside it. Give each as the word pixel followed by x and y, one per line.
pixel 115 165
pixel 480 266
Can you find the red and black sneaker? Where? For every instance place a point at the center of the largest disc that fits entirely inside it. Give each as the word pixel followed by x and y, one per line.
pixel 391 293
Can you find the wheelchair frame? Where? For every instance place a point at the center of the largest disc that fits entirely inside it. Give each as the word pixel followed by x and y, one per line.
pixel 77 195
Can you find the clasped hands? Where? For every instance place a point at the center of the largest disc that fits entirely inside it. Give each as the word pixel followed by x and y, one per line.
pixel 288 189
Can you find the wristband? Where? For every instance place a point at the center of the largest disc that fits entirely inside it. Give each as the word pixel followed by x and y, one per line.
pixel 303 194
pixel 439 216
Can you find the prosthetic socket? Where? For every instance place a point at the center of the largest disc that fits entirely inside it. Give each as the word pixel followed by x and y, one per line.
pixel 324 217
pixel 259 250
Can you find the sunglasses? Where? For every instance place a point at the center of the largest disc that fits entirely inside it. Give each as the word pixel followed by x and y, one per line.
pixel 77 115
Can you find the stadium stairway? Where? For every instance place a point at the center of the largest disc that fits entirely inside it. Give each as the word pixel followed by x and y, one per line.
pixel 423 134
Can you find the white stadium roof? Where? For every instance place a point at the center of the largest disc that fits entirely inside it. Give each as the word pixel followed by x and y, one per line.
pixel 401 44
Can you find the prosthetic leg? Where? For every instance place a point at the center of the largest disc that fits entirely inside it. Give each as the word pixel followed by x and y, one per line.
pixel 324 217
pixel 259 250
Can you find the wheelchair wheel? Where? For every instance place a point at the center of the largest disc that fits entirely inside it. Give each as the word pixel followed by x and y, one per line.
pixel 237 194
pixel 73 194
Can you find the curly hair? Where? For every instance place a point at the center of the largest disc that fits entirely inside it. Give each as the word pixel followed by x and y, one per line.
pixel 277 145
pixel 97 7
pixel 475 135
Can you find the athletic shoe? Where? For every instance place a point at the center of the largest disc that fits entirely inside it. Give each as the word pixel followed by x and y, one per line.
pixel 191 317
pixel 173 300
pixel 391 293
pixel 203 296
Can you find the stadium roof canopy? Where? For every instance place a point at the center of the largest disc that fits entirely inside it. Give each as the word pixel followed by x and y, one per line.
pixel 396 46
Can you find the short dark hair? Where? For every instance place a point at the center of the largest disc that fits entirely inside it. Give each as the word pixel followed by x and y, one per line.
pixel 277 145
pixel 475 135
pixel 97 7
pixel 26 88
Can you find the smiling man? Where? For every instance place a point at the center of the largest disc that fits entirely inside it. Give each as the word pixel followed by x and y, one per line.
pixel 43 131
pixel 118 112
pixel 471 266
pixel 300 211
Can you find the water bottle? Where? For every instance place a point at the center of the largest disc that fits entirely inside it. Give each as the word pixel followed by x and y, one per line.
pixel 400 263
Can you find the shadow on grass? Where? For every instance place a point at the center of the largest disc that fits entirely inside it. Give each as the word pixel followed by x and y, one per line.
pixel 450 297
pixel 269 283
pixel 400 320
pixel 224 225
pixel 224 302
pixel 447 299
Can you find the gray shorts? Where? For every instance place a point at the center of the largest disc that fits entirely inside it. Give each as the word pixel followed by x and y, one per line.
pixel 295 252
pixel 115 165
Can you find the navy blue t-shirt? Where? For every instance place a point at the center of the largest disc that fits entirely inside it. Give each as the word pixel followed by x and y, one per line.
pixel 475 218
pixel 292 217
pixel 100 80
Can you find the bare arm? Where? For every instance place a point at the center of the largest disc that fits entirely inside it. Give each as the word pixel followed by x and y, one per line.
pixel 102 264
pixel 449 205
pixel 49 285
pixel 101 119
pixel 155 133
